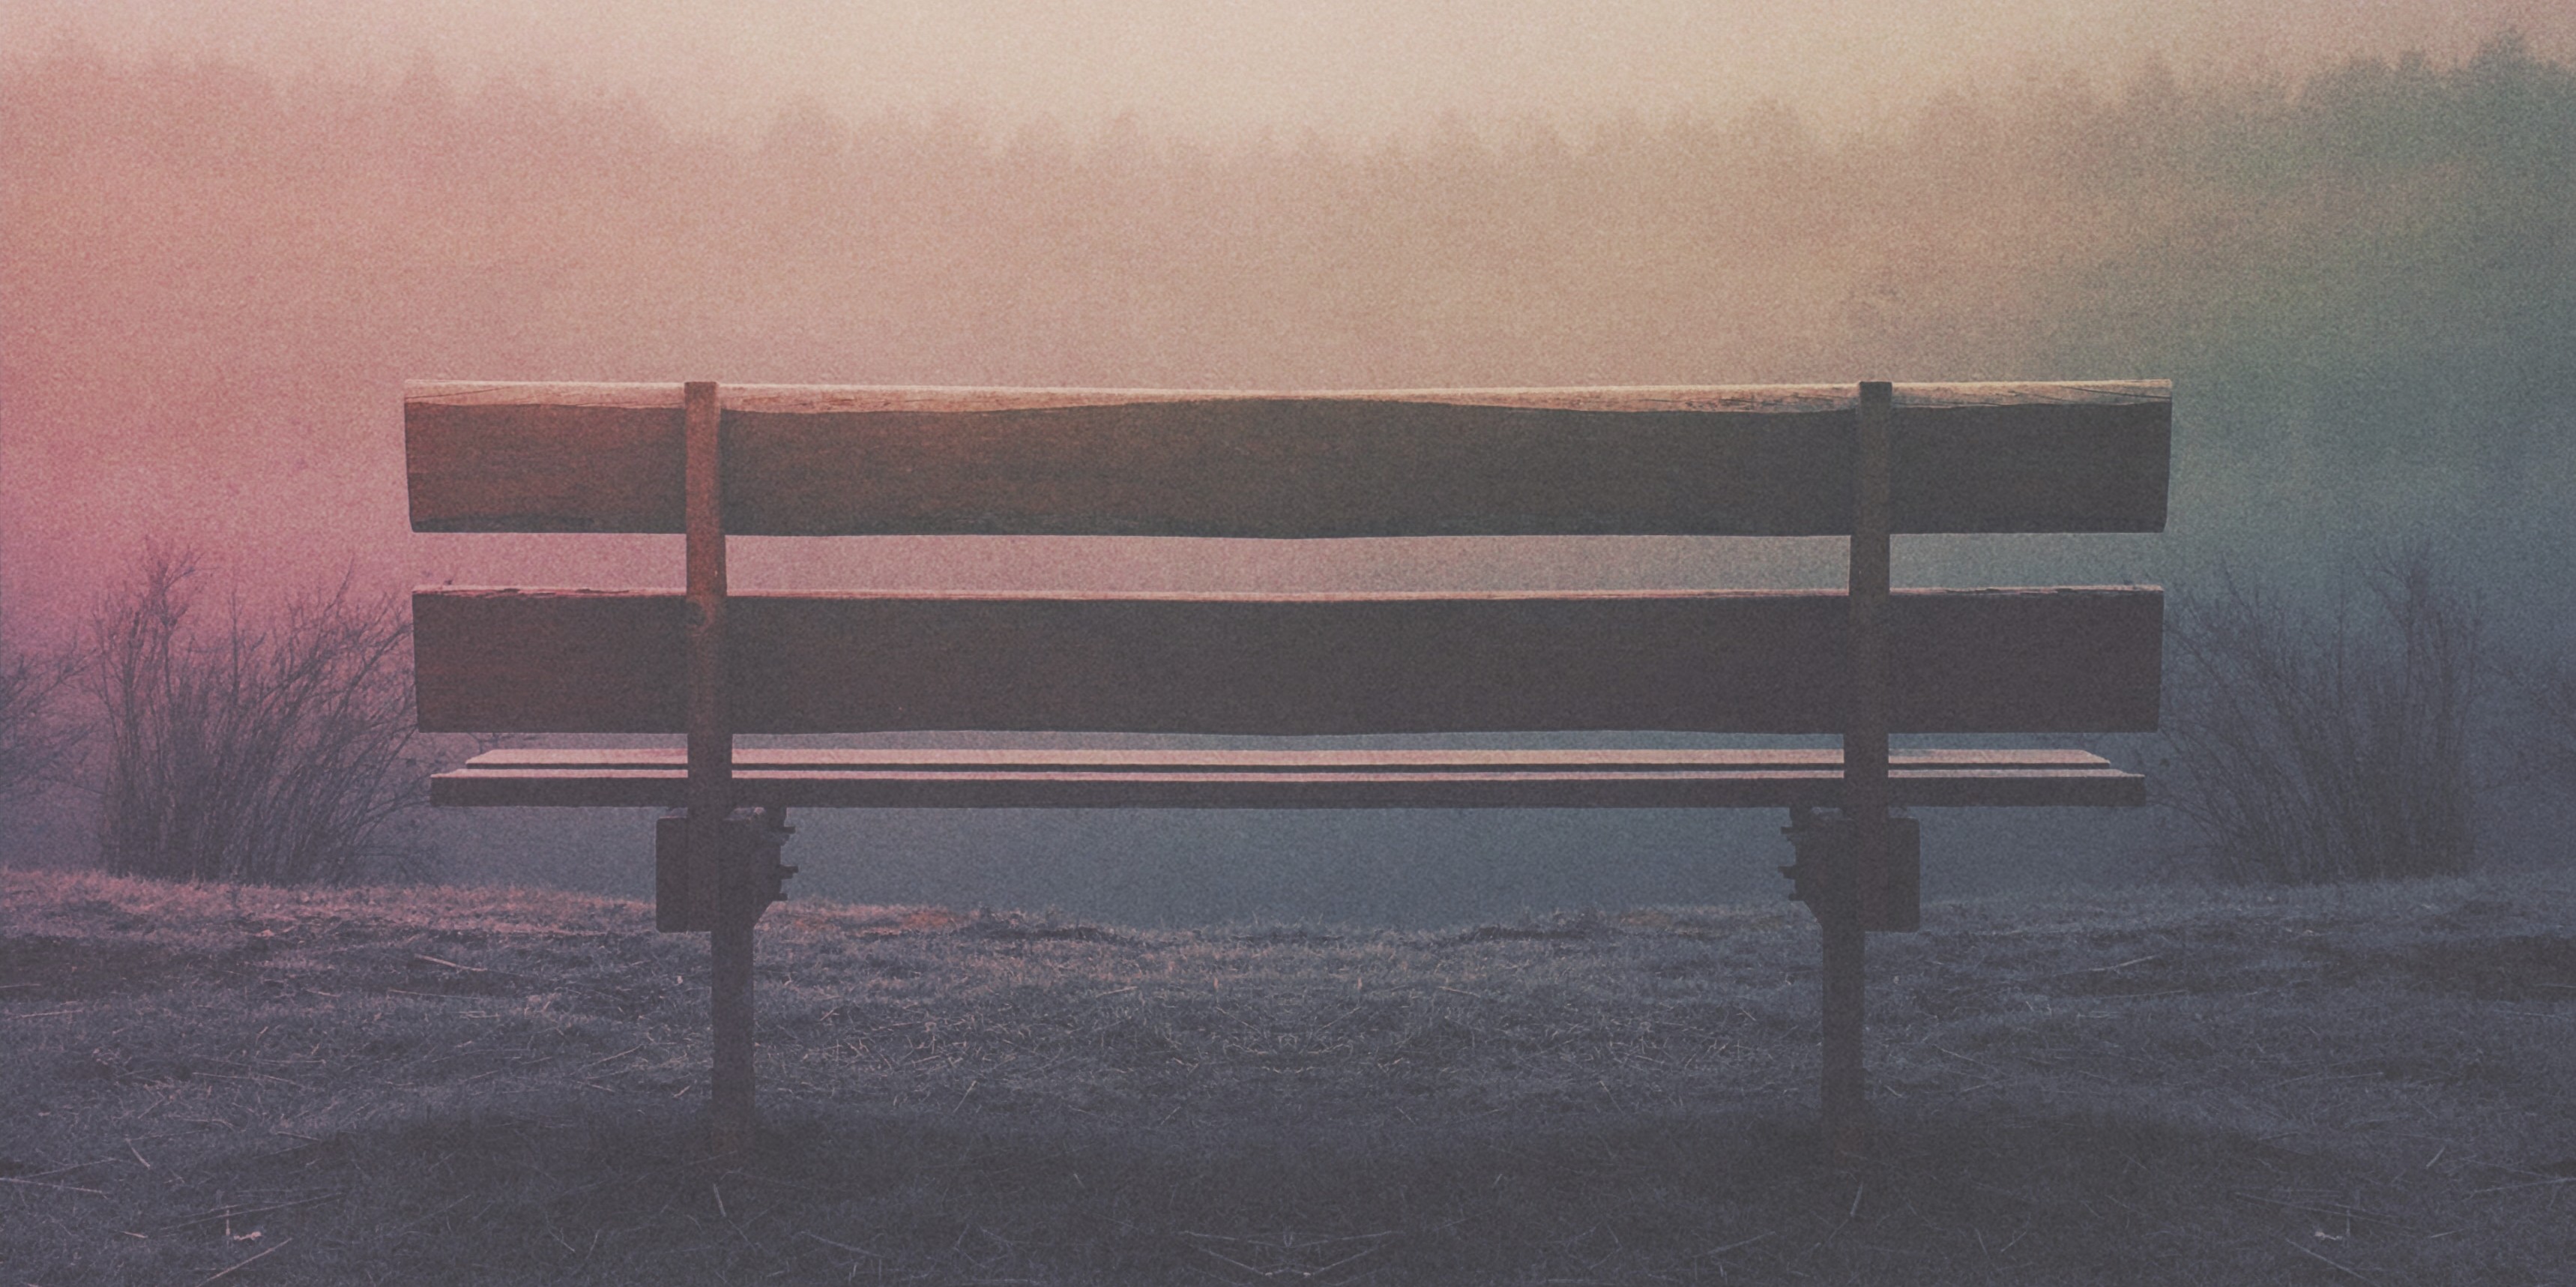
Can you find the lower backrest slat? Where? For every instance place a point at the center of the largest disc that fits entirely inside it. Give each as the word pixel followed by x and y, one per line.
pixel 574 661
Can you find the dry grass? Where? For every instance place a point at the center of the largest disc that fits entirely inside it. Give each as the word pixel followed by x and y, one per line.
pixel 426 1086
pixel 2316 747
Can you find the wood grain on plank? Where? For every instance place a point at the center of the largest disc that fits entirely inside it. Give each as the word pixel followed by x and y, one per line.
pixel 1041 759
pixel 1115 778
pixel 1756 460
pixel 828 398
pixel 2055 660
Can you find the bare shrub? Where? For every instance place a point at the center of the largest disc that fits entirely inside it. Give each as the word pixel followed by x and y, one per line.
pixel 2548 744
pixel 34 739
pixel 276 752
pixel 2322 746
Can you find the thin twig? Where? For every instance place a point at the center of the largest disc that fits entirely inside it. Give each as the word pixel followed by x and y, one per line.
pixel 235 1213
pixel 282 1244
pixel 40 1184
pixel 76 1166
pixel 856 1251
pixel 1741 1242
pixel 2338 1209
pixel 619 1055
pixel 2305 1251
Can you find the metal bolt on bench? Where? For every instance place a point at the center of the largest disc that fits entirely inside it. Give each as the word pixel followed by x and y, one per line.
pixel 1863 462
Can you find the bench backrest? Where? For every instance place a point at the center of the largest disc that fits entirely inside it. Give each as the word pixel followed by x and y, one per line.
pixel 1774 461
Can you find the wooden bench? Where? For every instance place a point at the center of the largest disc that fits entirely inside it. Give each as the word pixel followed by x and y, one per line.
pixel 1858 461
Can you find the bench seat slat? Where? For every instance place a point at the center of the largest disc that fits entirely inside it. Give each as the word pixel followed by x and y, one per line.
pixel 2062 660
pixel 1120 778
pixel 1718 461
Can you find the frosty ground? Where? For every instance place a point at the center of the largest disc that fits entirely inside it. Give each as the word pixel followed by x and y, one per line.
pixel 430 1085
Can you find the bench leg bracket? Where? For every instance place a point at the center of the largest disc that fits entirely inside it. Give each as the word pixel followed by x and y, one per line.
pixel 1828 877
pixel 749 876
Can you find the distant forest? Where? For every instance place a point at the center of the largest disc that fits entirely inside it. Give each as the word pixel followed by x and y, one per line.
pixel 2363 279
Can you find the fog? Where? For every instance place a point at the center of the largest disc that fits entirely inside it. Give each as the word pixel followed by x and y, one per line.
pixel 226 237
pixel 1343 66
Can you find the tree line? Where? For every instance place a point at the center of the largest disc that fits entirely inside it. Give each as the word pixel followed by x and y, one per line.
pixel 2377 257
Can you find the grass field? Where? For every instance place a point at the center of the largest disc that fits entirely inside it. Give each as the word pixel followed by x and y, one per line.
pixel 203 1085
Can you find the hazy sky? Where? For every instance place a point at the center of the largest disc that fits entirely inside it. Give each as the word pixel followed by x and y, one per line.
pixel 1343 65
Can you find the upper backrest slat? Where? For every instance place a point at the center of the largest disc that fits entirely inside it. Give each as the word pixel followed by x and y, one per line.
pixel 1751 461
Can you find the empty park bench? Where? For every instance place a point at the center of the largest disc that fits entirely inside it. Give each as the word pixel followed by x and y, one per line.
pixel 1858 461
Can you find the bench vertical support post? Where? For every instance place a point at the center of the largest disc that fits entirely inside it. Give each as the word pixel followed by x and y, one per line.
pixel 1853 903
pixel 710 790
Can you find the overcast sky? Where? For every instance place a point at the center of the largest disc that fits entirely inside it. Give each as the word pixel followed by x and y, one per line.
pixel 1228 65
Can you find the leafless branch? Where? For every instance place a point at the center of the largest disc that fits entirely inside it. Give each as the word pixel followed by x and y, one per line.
pixel 276 751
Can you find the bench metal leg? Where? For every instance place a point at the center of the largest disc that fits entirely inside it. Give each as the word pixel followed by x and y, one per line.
pixel 730 1104
pixel 749 877
pixel 1846 1092
pixel 1830 878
